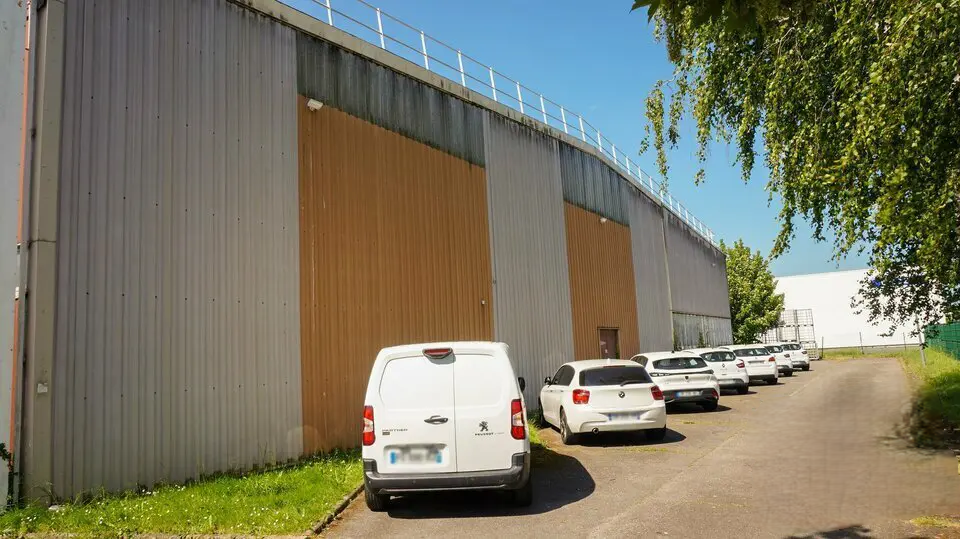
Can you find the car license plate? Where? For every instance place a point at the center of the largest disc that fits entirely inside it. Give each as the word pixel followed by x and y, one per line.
pixel 757 362
pixel 631 416
pixel 416 455
pixel 688 393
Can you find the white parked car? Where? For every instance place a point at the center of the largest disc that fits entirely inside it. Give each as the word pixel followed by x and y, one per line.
pixel 683 377
pixel 761 365
pixel 603 395
pixel 798 355
pixel 444 416
pixel 782 357
pixel 731 371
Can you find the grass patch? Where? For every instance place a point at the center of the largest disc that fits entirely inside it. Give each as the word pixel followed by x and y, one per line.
pixel 935 415
pixel 284 501
pixel 936 522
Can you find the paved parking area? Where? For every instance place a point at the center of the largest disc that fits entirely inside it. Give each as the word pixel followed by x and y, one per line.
pixel 815 456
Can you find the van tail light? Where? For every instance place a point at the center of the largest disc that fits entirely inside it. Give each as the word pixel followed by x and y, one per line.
pixel 517 426
pixel 581 396
pixel 437 353
pixel 657 393
pixel 369 436
pixel 772 359
pixel 741 365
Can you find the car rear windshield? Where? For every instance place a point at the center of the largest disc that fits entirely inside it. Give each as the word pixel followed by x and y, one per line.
pixel 718 356
pixel 791 346
pixel 750 352
pixel 774 349
pixel 614 375
pixel 680 363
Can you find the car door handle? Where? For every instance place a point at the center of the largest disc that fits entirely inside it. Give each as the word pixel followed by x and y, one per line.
pixel 435 420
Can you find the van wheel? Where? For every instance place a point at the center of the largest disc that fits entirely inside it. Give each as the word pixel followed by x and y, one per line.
pixel 710 406
pixel 655 435
pixel 375 502
pixel 523 496
pixel 567 437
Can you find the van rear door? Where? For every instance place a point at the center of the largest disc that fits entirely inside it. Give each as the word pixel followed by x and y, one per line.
pixel 485 387
pixel 415 423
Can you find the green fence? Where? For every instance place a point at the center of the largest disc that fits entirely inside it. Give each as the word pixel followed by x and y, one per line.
pixel 944 337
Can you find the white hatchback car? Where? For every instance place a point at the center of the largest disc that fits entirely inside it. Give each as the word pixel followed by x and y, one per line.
pixel 444 416
pixel 603 395
pixel 731 371
pixel 798 356
pixel 782 357
pixel 683 377
pixel 761 365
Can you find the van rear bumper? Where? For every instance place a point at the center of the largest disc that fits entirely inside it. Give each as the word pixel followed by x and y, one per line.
pixel 511 478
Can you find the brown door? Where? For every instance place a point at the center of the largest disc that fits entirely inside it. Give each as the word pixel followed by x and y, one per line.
pixel 609 343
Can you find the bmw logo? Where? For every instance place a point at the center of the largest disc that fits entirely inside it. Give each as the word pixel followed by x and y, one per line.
pixel 622 394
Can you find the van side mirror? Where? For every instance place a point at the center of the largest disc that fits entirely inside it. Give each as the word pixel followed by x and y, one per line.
pixel 548 381
pixel 523 383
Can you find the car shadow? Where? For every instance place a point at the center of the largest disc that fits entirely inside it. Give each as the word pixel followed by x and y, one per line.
pixel 624 439
pixel 734 392
pixel 693 408
pixel 847 532
pixel 558 480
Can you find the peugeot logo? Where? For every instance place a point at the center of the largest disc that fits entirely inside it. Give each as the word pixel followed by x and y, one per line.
pixel 483 426
pixel 621 394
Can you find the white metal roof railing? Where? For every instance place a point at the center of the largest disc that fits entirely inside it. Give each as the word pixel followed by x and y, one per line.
pixel 367 22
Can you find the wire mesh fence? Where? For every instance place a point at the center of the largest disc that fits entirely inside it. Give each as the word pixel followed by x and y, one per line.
pixel 945 337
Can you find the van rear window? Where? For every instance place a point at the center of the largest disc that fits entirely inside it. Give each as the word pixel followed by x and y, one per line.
pixel 613 375
pixel 680 363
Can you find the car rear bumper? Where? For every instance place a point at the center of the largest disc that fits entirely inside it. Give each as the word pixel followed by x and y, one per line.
pixel 511 478
pixel 785 368
pixel 734 382
pixel 800 363
pixel 704 394
pixel 653 418
pixel 762 377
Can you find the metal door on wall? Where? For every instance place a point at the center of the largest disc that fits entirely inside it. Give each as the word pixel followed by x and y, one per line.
pixel 609 343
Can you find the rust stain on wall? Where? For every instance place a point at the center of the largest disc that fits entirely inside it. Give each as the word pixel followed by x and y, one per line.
pixel 394 249
pixel 602 290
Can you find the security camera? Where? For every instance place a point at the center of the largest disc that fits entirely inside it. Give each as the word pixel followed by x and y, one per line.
pixel 314 105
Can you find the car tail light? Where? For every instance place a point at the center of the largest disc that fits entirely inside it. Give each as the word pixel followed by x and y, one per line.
pixel 741 365
pixel 657 393
pixel 715 394
pixel 772 359
pixel 581 396
pixel 517 427
pixel 369 436
pixel 437 353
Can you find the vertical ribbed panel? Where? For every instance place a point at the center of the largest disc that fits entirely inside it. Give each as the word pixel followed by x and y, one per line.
pixel 696 331
pixel 531 280
pixel 592 185
pixel 650 270
pixel 698 272
pixel 178 291
pixel 602 285
pixel 394 250
pixel 381 96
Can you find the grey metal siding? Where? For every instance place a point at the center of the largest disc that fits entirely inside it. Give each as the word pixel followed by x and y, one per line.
pixel 532 310
pixel 698 272
pixel 386 98
pixel 692 330
pixel 650 269
pixel 177 349
pixel 592 185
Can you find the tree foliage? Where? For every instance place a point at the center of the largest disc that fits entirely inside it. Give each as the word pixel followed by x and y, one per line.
pixel 854 107
pixel 755 306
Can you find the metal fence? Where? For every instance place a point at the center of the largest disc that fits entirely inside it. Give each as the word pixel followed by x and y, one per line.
pixel 945 337
pixel 379 28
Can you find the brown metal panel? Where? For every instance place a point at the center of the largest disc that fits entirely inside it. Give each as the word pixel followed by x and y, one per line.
pixel 394 249
pixel 602 288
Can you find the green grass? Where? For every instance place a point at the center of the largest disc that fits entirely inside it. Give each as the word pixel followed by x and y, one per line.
pixel 536 442
pixel 284 501
pixel 935 416
pixel 843 354
pixel 936 522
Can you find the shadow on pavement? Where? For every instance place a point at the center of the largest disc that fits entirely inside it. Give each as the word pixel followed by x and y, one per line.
pixel 622 439
pixel 692 408
pixel 725 391
pixel 558 480
pixel 849 532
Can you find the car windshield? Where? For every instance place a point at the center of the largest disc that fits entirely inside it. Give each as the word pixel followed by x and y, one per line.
pixel 679 363
pixel 614 375
pixel 774 349
pixel 718 356
pixel 791 346
pixel 749 352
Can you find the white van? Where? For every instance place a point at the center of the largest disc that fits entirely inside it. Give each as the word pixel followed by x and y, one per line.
pixel 444 416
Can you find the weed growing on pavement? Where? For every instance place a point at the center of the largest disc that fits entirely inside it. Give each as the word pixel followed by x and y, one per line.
pixel 936 522
pixel 283 501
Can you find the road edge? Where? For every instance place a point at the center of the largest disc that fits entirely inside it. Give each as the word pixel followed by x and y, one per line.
pixel 335 512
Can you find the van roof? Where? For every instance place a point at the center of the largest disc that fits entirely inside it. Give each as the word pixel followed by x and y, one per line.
pixel 459 347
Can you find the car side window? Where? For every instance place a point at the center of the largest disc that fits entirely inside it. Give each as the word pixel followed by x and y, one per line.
pixel 556 377
pixel 566 375
pixel 642 360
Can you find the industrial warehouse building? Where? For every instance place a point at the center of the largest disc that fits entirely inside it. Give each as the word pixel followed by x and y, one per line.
pixel 221 263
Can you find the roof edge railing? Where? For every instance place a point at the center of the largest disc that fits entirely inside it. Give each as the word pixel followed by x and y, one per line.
pixel 475 75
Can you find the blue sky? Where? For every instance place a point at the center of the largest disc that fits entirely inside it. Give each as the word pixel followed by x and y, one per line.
pixel 601 60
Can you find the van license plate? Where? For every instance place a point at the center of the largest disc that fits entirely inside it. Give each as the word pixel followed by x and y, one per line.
pixel 688 393
pixel 416 455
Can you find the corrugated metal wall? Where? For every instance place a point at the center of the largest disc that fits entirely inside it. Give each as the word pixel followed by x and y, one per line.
pixel 602 286
pixel 394 250
pixel 529 250
pixel 177 351
pixel 693 330
pixel 698 272
pixel 590 184
pixel 384 97
pixel 650 270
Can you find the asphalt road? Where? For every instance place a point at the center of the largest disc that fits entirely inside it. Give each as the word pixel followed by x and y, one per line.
pixel 815 456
